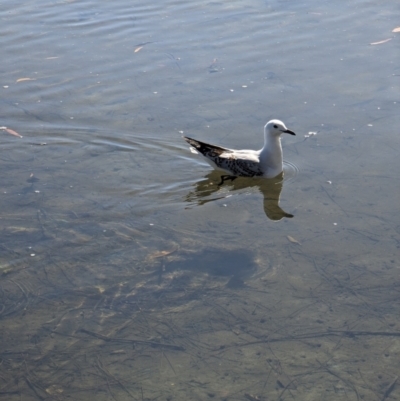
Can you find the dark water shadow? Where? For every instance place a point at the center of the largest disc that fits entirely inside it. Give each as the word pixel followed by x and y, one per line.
pixel 208 190
pixel 237 264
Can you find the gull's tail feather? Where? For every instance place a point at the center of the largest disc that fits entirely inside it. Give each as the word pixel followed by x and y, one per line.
pixel 205 148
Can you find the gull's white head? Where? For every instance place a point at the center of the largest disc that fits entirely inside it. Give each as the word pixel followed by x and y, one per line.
pixel 276 128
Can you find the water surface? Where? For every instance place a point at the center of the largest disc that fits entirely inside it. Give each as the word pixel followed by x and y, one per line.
pixel 127 273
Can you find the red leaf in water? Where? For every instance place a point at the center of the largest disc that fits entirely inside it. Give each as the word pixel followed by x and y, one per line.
pixel 11 132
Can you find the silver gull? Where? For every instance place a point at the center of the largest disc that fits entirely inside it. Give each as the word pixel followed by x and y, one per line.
pixel 266 162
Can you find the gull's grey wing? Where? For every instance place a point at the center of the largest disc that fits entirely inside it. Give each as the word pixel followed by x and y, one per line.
pixel 240 163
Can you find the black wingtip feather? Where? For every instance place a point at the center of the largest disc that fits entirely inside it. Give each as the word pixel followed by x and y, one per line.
pixel 204 147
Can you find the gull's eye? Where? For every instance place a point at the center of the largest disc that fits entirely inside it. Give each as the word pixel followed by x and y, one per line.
pixel 275 126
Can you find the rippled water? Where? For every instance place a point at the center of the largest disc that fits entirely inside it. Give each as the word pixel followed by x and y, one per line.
pixel 127 273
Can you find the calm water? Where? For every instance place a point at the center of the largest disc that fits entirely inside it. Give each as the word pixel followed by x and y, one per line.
pixel 127 273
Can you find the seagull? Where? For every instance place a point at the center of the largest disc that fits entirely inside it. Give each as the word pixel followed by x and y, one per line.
pixel 266 162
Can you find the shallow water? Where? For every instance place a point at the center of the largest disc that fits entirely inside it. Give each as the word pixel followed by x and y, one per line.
pixel 127 273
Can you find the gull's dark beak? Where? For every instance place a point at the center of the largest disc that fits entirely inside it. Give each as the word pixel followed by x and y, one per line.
pixel 287 131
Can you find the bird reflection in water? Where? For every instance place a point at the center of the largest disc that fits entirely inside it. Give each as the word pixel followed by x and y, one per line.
pixel 208 190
